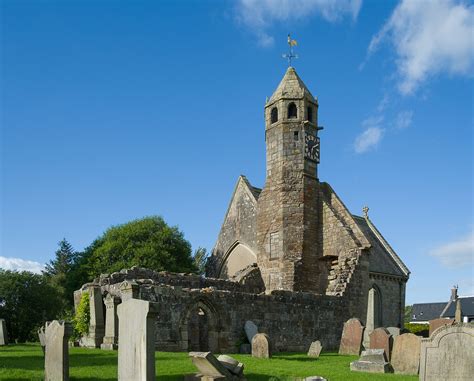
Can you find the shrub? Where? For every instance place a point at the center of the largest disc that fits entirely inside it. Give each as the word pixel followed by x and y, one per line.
pixel 418 329
pixel 82 317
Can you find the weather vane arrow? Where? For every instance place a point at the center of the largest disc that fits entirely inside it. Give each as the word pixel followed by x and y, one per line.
pixel 290 55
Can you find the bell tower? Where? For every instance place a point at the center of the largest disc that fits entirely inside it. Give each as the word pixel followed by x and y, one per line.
pixel 288 206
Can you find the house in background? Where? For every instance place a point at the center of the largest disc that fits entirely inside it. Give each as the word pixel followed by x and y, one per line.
pixel 422 313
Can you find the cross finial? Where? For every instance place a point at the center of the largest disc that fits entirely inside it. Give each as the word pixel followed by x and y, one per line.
pixel 290 55
pixel 365 209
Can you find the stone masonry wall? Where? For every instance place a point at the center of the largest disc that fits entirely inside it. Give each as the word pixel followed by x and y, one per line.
pixel 292 320
pixel 392 291
pixel 239 226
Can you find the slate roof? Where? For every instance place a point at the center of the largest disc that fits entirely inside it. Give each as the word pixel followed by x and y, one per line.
pixel 467 307
pixel 427 311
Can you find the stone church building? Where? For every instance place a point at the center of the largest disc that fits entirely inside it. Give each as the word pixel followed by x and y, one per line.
pixel 290 257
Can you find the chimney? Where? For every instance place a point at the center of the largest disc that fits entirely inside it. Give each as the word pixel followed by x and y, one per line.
pixel 454 293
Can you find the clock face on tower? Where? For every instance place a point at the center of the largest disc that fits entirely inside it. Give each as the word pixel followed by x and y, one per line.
pixel 311 148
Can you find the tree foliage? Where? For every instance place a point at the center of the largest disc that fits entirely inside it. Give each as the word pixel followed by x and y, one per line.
pixel 200 259
pixel 148 242
pixel 27 300
pixel 59 272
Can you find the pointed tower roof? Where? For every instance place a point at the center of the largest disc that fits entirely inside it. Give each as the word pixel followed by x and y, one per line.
pixel 291 86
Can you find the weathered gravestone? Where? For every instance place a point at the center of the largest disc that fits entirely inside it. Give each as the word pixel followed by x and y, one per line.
pixel 111 322
pixel 136 350
pixel 56 363
pixel 212 369
pixel 42 338
pixel 250 330
pixel 394 331
pixel 234 367
pixel 352 335
pixel 3 332
pixel 436 323
pixel 261 346
pixel 315 349
pixel 406 354
pixel 96 322
pixel 371 361
pixel 380 338
pixel 448 354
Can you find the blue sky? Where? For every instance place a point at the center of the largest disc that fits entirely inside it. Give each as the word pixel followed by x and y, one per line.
pixel 114 110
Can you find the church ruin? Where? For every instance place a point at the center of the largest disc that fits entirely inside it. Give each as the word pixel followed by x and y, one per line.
pixel 290 257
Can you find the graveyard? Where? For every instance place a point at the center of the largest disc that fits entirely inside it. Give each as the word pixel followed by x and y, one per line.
pixel 25 362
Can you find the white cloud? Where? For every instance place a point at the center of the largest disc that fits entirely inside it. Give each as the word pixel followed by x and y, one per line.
pixel 404 119
pixel 458 253
pixel 429 37
pixel 368 139
pixel 259 15
pixel 20 265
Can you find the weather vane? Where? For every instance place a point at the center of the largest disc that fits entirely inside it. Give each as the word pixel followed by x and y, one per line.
pixel 290 54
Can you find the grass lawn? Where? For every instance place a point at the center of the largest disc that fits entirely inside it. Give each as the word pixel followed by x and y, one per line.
pixel 25 362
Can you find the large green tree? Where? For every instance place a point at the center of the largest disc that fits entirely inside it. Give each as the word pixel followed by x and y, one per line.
pixel 27 300
pixel 148 242
pixel 59 272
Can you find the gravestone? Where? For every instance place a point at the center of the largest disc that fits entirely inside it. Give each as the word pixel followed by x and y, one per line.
pixel 371 361
pixel 261 346
pixel 394 331
pixel 448 354
pixel 352 335
pixel 406 354
pixel 436 323
pixel 96 322
pixel 234 367
pixel 3 333
pixel 42 338
pixel 56 363
pixel 212 369
pixel 136 350
pixel 380 338
pixel 250 330
pixel 111 322
pixel 315 349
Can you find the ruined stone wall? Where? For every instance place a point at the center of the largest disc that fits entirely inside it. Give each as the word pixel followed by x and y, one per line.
pixel 174 279
pixel 292 320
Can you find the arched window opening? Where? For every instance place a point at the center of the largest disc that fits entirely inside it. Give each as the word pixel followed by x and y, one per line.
pixel 292 111
pixel 274 115
pixel 198 331
pixel 310 114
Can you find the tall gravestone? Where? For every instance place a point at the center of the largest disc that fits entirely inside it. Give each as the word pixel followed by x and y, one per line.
pixel 3 333
pixel 136 350
pixel 261 346
pixel 250 330
pixel 96 323
pixel 56 363
pixel 448 354
pixel 406 354
pixel 352 335
pixel 380 338
pixel 111 322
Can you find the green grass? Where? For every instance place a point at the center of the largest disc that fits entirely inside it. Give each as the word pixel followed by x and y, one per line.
pixel 25 362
